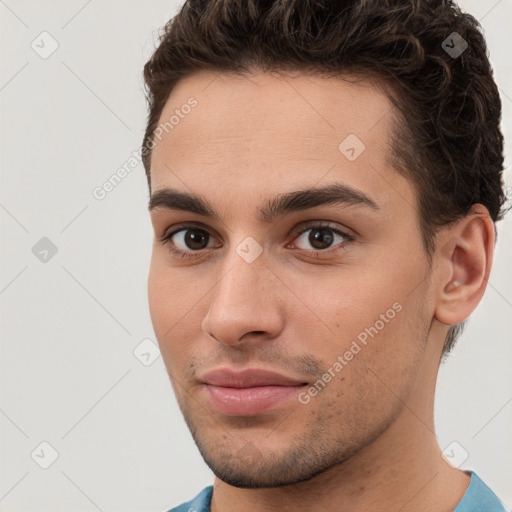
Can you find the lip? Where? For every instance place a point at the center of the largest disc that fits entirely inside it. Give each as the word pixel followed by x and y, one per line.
pixel 248 378
pixel 249 392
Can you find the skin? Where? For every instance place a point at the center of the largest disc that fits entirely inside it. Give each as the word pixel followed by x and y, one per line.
pixel 366 441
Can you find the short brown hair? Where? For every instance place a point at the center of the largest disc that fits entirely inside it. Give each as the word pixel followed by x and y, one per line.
pixel 446 135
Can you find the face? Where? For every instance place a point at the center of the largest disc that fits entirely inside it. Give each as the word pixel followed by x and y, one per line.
pixel 298 252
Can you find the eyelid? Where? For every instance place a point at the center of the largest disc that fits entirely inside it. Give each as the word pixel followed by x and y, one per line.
pixel 299 230
pixel 330 251
pixel 180 227
pixel 347 233
pixel 169 233
pixel 304 226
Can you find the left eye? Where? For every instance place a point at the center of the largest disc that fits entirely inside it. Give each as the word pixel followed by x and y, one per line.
pixel 321 237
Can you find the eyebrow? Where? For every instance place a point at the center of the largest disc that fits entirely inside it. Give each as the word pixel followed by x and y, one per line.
pixel 335 194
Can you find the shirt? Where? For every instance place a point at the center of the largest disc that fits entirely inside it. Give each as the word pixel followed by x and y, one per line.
pixel 477 498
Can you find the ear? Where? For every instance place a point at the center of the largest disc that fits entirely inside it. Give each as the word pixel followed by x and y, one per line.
pixel 464 261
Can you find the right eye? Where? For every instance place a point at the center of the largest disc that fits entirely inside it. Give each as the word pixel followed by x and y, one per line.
pixel 188 241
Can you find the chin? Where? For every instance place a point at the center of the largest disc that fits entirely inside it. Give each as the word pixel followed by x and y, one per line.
pixel 255 477
pixel 250 467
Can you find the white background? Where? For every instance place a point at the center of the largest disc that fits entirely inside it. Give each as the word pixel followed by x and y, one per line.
pixel 70 325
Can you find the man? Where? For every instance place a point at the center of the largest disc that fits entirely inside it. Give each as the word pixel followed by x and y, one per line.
pixel 325 178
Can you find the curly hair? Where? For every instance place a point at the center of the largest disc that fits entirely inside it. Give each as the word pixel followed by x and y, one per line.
pixel 446 133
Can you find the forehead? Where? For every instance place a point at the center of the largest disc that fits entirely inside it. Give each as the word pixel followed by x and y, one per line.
pixel 273 132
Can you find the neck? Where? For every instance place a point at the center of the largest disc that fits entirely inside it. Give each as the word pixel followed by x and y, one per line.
pixel 402 470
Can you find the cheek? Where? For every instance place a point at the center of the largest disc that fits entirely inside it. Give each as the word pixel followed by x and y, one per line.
pixel 171 304
pixel 172 292
pixel 370 366
pixel 159 296
pixel 342 304
pixel 371 319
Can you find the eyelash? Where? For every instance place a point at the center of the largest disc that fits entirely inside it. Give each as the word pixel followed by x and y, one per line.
pixel 165 239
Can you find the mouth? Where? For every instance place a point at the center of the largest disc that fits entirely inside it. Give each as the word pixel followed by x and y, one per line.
pixel 250 392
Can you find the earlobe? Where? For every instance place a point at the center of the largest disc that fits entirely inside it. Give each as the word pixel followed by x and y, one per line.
pixel 466 260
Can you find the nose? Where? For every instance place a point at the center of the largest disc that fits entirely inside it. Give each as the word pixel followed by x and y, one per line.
pixel 245 304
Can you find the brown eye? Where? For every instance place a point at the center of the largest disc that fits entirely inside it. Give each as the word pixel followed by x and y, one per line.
pixel 321 238
pixel 193 239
